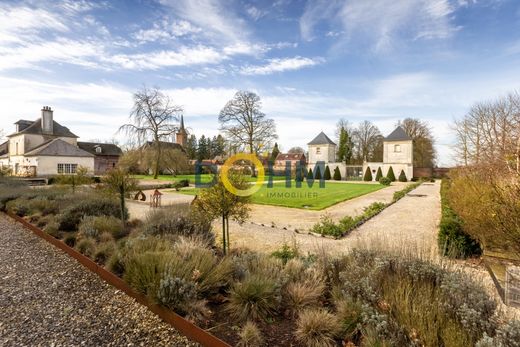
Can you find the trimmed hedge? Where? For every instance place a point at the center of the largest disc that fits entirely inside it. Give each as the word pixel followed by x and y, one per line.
pixel 318 173
pixel 390 174
pixel 327 175
pixel 453 241
pixel 379 174
pixel 337 174
pixel 310 176
pixel 368 175
pixel 402 177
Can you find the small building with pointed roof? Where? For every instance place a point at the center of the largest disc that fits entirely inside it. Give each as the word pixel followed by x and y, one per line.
pixel 322 148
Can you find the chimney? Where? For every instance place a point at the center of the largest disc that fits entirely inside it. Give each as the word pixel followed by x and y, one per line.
pixel 47 121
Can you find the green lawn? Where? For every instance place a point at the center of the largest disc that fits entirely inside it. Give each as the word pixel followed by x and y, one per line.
pixel 204 178
pixel 314 198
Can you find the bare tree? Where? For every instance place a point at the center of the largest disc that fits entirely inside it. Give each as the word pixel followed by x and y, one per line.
pixel 245 124
pixel 346 126
pixel 424 154
pixel 152 118
pixel 296 150
pixel 366 139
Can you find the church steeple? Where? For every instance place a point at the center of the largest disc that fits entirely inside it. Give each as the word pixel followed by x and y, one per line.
pixel 182 136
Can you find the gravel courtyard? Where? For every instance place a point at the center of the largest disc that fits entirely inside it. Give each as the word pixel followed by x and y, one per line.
pixel 48 299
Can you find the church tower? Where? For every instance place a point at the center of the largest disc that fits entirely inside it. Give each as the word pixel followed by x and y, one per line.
pixel 181 137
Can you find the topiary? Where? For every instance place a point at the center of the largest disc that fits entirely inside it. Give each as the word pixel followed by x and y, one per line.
pixel 390 175
pixel 326 175
pixel 385 181
pixel 379 174
pixel 310 176
pixel 402 177
pixel 368 175
pixel 318 173
pixel 337 174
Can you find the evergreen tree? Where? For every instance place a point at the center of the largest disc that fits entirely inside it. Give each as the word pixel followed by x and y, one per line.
pixel 402 177
pixel 299 174
pixel 337 174
pixel 368 175
pixel 191 147
pixel 202 150
pixel 310 175
pixel 379 174
pixel 390 175
pixel 220 145
pixel 318 173
pixel 275 152
pixel 326 175
pixel 345 146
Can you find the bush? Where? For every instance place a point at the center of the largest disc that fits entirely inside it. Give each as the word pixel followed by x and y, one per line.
pixel 390 174
pixel 70 240
pixel 95 226
pixel 326 175
pixel 302 294
pixel 250 336
pixel 104 252
pixel 52 228
pixel 402 193
pixel 337 174
pixel 176 293
pixel 385 181
pixel 349 313
pixel 453 241
pixel 89 206
pixel 255 297
pixel 286 252
pixel 379 174
pixel 317 175
pixel 402 177
pixel 327 227
pixel 317 328
pixel 86 246
pixel 178 222
pixel 310 176
pixel 368 175
pixel 181 184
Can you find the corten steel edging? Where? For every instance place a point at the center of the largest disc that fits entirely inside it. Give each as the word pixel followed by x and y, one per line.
pixel 185 327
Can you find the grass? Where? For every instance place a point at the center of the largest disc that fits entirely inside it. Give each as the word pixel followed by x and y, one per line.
pixel 312 198
pixel 204 178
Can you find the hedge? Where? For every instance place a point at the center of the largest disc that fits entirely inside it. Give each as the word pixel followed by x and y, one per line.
pixel 390 175
pixel 368 175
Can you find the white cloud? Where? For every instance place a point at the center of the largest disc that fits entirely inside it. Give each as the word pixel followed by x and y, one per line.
pixel 280 65
pixel 382 22
pixel 254 12
pixel 166 30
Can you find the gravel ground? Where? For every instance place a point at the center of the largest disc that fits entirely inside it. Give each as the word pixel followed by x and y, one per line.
pixel 48 299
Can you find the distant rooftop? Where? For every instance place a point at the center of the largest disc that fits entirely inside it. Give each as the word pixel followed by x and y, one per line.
pixel 321 139
pixel 398 135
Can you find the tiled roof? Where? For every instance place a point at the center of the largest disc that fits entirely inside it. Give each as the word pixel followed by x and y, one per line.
pixel 108 149
pixel 398 135
pixel 321 139
pixel 58 148
pixel 290 156
pixel 36 128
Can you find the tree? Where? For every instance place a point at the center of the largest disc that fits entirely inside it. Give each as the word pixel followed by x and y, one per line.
pixel 379 174
pixel 174 161
pixel 402 177
pixel 202 149
pixel 310 175
pixel 245 124
pixel 296 150
pixel 119 181
pixel 390 174
pixel 318 173
pixel 219 146
pixel 368 175
pixel 366 137
pixel 218 202
pixel 326 175
pixel 274 153
pixel 191 147
pixel 337 174
pixel 345 146
pixel 423 142
pixel 152 118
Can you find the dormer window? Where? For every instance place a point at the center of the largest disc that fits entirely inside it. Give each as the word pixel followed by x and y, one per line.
pixel 397 148
pixel 98 149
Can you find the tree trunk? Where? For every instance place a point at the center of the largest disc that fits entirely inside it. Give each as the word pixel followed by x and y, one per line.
pixel 122 201
pixel 227 233
pixel 224 233
pixel 157 160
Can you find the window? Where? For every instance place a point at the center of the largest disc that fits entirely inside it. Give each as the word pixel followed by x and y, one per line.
pixel 98 149
pixel 397 148
pixel 318 150
pixel 67 168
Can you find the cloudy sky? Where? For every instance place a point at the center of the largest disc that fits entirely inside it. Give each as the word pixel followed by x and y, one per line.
pixel 312 62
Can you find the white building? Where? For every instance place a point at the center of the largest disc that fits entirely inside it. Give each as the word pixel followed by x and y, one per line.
pixel 397 153
pixel 43 148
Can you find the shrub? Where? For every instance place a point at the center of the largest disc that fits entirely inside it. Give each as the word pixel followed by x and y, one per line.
pixel 52 228
pixel 104 252
pixel 70 240
pixel 349 313
pixel 317 328
pixel 317 175
pixel 337 174
pixel 310 176
pixel 90 206
pixel 286 252
pixel 10 190
pixel 402 193
pixel 256 297
pixel 402 177
pixel 178 222
pixel 143 271
pixel 390 174
pixel 176 293
pixel 379 174
pixel 250 336
pixel 385 181
pixel 181 184
pixel 94 226
pixel 373 209
pixel 348 223
pixel 302 294
pixel 18 206
pixel 326 175
pixel 86 246
pixel 453 241
pixel 327 227
pixel 368 175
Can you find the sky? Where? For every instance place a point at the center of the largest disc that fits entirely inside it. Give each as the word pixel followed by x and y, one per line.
pixel 311 62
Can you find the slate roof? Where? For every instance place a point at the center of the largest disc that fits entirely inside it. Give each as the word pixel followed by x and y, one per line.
pixel 398 135
pixel 36 128
pixel 290 156
pixel 107 149
pixel 4 148
pixel 321 139
pixel 57 148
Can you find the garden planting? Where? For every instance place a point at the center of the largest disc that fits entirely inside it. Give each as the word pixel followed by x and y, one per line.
pixel 255 299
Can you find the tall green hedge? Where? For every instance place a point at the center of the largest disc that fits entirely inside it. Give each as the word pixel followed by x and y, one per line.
pixel 327 175
pixel 379 174
pixel 453 241
pixel 337 174
pixel 310 176
pixel 317 175
pixel 390 175
pixel 402 177
pixel 368 175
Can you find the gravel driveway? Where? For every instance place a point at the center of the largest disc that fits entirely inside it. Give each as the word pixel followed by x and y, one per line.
pixel 48 299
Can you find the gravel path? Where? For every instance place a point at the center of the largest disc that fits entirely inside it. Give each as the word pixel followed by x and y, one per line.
pixel 48 299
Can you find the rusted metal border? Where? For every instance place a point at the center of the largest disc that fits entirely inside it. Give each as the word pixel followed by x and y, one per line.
pixel 185 327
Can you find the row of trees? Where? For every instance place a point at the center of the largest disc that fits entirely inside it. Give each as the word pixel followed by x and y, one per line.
pixel 205 147
pixel 365 142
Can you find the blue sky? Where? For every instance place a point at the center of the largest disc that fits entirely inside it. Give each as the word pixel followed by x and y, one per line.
pixel 312 62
